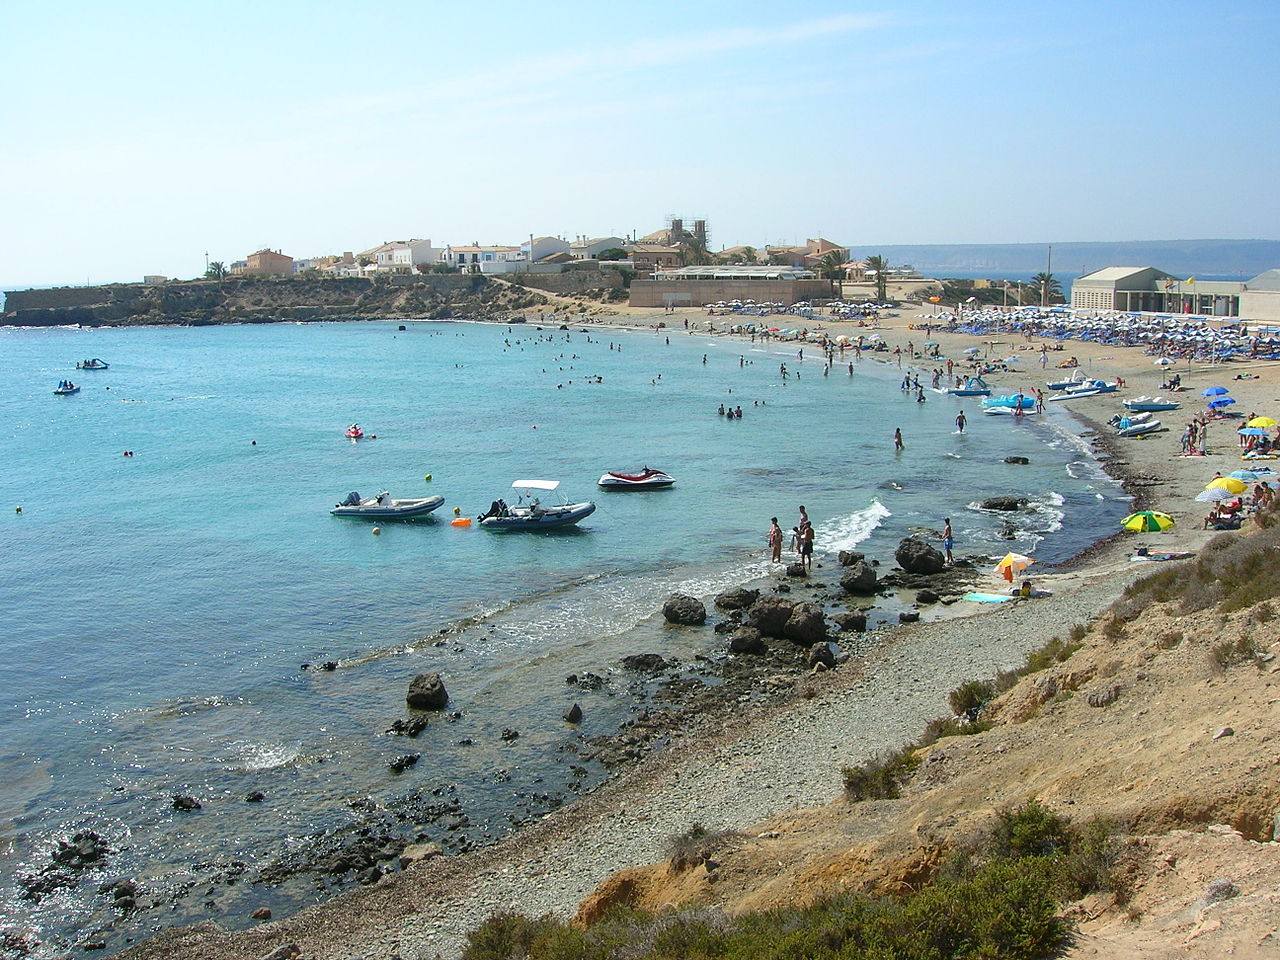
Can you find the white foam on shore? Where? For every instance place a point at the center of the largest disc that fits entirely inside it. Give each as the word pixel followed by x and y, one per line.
pixel 845 533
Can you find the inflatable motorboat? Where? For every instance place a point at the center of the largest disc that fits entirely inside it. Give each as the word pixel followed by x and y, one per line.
pixel 646 479
pixel 1128 428
pixel 529 513
pixel 94 364
pixel 385 507
pixel 66 388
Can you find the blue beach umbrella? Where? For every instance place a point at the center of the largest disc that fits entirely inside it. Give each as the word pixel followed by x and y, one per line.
pixel 1244 474
pixel 1252 432
pixel 1222 402
pixel 1214 391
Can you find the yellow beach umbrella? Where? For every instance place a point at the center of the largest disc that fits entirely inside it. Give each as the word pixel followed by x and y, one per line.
pixel 1230 484
pixel 1263 422
pixel 1012 565
pixel 1147 520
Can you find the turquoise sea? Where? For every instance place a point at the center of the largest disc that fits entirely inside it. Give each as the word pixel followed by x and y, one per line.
pixel 157 608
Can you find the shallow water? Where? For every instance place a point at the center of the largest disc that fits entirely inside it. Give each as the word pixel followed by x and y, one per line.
pixel 157 607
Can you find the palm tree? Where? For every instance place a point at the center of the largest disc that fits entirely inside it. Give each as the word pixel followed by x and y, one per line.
pixel 216 270
pixel 1050 289
pixel 832 266
pixel 880 266
pixel 694 253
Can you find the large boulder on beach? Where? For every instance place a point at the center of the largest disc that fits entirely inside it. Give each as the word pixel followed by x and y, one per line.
pixel 859 578
pixel 747 640
pixel 645 662
pixel 739 598
pixel 427 692
pixel 820 653
pixel 806 625
pixel 1007 504
pixel 852 620
pixel 684 609
pixel 916 556
pixel 769 615
pixel 848 558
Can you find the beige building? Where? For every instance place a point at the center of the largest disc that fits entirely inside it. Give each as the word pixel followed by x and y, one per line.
pixel 699 286
pixel 265 263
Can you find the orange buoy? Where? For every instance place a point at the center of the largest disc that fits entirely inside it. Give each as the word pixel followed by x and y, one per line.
pixel 460 522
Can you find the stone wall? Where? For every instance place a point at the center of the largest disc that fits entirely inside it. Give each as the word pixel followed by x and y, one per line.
pixel 578 281
pixel 698 293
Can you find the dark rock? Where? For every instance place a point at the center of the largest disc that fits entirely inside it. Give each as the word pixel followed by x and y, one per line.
pixel 783 588
pixel 85 849
pixel 254 796
pixel 806 625
pixel 909 616
pixel 1022 460
pixel 1219 890
pixel 927 596
pixel 1003 503
pixel 747 640
pixel 329 665
pixel 726 626
pixel 183 802
pixel 1106 696
pixel 588 681
pixel 427 692
pixel 262 913
pixel 645 663
pixel 120 889
pixel 573 714
pixel 510 734
pixel 797 570
pixel 408 727
pixel 769 615
pixel 738 598
pixel 683 609
pixel 916 556
pixel 858 578
pixel 370 876
pixel 94 945
pixel 401 764
pixel 848 558
pixel 820 653
pixel 853 620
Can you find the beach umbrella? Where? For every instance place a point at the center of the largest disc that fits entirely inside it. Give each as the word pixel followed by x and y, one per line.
pixel 1214 391
pixel 1012 565
pixel 1227 483
pixel 1252 432
pixel 1245 474
pixel 1164 361
pixel 1147 520
pixel 1222 402
pixel 970 351
pixel 1216 495
pixel 1262 422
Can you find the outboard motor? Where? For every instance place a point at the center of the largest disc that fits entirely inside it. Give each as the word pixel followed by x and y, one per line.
pixel 353 500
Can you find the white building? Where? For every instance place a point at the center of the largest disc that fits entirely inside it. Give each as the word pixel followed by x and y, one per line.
pixel 402 256
pixel 585 249
pixel 539 247
pixel 473 257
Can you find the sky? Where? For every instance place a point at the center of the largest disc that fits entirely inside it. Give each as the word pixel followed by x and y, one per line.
pixel 137 137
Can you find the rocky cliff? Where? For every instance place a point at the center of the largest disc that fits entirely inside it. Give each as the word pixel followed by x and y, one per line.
pixel 262 300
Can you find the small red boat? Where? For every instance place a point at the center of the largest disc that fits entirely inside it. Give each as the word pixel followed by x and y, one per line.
pixel 647 479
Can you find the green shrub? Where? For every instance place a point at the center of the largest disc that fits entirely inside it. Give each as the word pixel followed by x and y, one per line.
pixel 1230 653
pixel 1032 830
pixel 970 697
pixel 512 936
pixel 882 777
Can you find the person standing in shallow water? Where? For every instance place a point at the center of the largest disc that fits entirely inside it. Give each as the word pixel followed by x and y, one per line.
pixel 806 545
pixel 775 541
pixel 947 541
pixel 898 445
pixel 960 421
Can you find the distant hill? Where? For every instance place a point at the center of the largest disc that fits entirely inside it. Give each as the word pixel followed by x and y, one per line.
pixel 1239 259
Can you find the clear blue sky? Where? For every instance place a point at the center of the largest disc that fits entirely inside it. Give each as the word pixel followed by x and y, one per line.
pixel 138 135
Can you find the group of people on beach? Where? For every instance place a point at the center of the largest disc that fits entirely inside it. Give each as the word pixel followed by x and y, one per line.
pixel 801 539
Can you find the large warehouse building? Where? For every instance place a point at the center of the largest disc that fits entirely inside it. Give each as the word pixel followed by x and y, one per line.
pixel 1148 290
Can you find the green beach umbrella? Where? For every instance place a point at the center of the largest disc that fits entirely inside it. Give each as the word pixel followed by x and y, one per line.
pixel 1146 521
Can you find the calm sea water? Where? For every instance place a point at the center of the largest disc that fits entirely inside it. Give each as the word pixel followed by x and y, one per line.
pixel 157 607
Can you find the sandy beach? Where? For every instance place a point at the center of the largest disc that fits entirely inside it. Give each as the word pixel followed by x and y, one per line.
pixel 785 757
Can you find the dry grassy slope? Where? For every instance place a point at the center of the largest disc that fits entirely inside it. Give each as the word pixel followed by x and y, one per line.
pixel 1128 728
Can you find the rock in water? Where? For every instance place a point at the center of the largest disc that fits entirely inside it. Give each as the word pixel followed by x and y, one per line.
pixel 1003 503
pixel 747 640
pixel 859 578
pixel 909 616
pixel 848 558
pixel 796 570
pixel 427 692
pixel 806 625
pixel 738 598
pixel 183 802
pixel 769 615
pixel 401 764
pixel 645 663
pixel 573 714
pixel 853 620
pixel 927 596
pixel 683 609
pixel 1022 460
pixel 916 556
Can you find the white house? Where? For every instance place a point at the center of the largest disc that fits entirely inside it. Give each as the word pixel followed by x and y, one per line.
pixel 535 249
pixel 584 248
pixel 473 257
pixel 402 256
